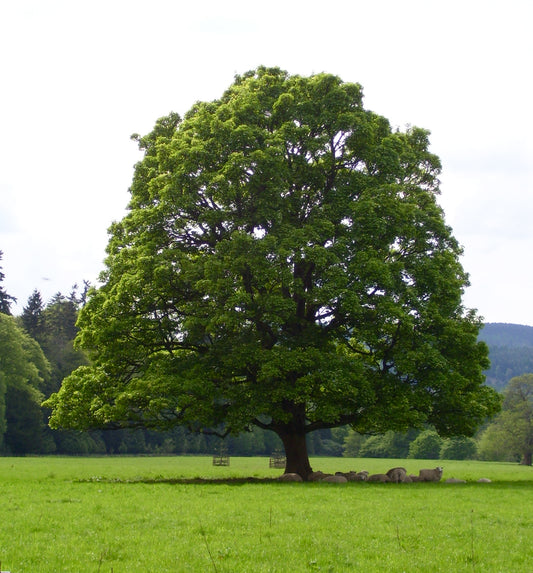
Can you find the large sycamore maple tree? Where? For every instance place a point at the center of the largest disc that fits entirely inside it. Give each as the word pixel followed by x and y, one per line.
pixel 285 264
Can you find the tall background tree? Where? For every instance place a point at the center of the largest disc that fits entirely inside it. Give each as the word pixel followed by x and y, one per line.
pixel 32 316
pixel 51 328
pixel 54 327
pixel 284 264
pixel 56 337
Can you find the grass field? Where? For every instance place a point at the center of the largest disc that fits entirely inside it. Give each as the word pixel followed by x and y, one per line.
pixel 129 515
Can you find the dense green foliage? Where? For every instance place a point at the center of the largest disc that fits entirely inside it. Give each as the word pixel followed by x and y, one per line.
pixel 461 448
pixel 53 324
pixel 128 514
pixel 426 445
pixel 23 369
pixel 284 264
pixel 510 435
pixel 36 353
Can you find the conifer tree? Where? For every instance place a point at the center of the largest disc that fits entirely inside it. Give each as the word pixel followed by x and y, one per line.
pixel 32 315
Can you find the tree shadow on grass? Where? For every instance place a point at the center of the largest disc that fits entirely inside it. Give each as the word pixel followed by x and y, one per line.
pixel 499 484
pixel 181 481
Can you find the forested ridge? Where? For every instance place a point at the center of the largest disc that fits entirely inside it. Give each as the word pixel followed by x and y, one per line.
pixel 508 335
pixel 510 351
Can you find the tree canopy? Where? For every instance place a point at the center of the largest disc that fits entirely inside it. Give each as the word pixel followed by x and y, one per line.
pixel 284 263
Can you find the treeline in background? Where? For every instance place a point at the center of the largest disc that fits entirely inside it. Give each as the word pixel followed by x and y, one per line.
pixel 37 351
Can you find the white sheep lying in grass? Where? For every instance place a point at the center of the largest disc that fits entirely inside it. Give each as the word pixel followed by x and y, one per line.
pixel 430 475
pixel 398 475
pixel 382 478
pixel 290 477
pixel 334 479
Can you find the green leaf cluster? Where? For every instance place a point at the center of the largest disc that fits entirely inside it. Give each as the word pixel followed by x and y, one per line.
pixel 510 435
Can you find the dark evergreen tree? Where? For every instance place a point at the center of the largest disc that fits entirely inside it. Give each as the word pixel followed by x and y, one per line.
pixel 58 331
pixel 55 330
pixel 32 316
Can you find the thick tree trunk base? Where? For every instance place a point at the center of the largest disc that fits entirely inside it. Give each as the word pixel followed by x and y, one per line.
pixel 296 455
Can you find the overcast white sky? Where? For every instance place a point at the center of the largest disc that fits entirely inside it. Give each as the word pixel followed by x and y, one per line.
pixel 78 78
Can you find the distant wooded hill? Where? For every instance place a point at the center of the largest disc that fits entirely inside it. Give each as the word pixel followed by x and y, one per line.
pixel 511 351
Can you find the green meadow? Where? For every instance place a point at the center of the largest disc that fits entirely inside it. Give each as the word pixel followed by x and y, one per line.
pixel 173 514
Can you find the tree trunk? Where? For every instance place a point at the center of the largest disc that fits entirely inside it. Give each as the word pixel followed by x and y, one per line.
pixel 527 459
pixel 296 453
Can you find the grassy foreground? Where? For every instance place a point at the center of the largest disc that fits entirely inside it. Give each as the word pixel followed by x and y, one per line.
pixel 127 514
